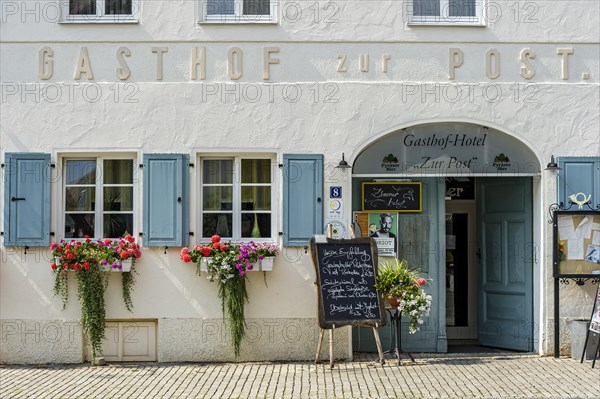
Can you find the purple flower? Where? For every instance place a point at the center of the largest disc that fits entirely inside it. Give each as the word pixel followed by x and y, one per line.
pixel 104 262
pixel 261 257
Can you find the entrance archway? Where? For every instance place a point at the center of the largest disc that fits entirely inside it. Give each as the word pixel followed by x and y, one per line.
pixel 479 255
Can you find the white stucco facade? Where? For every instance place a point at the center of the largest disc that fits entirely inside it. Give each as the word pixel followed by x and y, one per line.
pixel 316 100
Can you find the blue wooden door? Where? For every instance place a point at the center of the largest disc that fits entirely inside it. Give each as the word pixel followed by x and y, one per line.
pixel 504 207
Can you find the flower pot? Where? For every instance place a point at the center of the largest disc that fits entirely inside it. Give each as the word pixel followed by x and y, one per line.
pixel 264 265
pixel 204 261
pixel 393 302
pixel 125 266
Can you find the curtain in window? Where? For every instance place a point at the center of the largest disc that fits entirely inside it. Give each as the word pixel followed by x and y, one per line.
pixel 118 7
pixel 82 7
pixel 257 7
pixel 426 8
pixel 256 198
pixel 220 7
pixel 462 8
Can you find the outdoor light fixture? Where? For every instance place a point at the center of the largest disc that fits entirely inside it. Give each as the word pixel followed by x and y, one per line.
pixel 552 166
pixel 343 164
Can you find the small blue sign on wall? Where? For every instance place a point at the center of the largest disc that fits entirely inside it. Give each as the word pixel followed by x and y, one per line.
pixel 335 192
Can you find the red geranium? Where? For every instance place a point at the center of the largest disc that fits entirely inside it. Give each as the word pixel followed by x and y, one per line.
pixel 215 239
pixel 206 251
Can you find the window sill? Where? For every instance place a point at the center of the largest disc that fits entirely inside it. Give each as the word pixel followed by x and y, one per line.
pixel 100 20
pixel 236 20
pixel 478 24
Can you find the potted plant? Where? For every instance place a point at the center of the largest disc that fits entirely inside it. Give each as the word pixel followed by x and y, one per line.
pixel 89 261
pixel 227 264
pixel 403 289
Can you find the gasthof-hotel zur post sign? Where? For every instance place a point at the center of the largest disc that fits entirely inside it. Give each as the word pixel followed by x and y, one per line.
pixel 392 197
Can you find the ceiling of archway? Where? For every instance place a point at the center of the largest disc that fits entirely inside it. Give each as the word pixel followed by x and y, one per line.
pixel 447 149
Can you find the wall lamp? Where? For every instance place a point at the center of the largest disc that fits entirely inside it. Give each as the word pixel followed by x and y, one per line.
pixel 552 166
pixel 343 164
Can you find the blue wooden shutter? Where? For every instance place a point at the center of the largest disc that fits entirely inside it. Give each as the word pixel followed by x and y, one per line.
pixel 166 200
pixel 302 198
pixel 27 199
pixel 579 175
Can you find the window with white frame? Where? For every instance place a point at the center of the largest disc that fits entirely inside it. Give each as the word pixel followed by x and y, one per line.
pixel 98 197
pixel 237 198
pixel 102 10
pixel 445 12
pixel 238 11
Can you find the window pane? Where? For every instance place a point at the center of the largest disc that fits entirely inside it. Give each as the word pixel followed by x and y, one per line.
pixel 81 172
pixel 77 226
pixel 217 198
pixel 82 7
pixel 118 7
pixel 118 171
pixel 116 225
pixel 216 7
pixel 80 199
pixel 256 7
pixel 256 171
pixel 426 7
pixel 462 8
pixel 217 171
pixel 256 198
pixel 118 199
pixel 256 225
pixel 217 223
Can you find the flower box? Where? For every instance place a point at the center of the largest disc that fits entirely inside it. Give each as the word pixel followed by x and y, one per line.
pixel 264 265
pixel 125 266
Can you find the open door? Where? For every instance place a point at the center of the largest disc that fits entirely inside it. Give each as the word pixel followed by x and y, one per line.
pixel 504 208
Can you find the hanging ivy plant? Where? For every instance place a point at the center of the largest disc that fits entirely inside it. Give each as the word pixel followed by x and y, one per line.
pixel 90 260
pixel 228 266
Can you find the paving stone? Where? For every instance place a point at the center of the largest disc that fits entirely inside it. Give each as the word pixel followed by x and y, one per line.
pixel 430 376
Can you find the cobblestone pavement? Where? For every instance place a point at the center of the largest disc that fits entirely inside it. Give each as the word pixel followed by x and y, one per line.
pixel 498 375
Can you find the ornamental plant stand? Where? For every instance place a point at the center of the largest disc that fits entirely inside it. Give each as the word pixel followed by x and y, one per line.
pixel 396 319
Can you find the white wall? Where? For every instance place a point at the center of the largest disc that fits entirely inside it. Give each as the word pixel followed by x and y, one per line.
pixel 335 112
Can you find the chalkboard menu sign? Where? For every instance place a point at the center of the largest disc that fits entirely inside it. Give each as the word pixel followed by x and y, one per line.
pixel 392 197
pixel 346 271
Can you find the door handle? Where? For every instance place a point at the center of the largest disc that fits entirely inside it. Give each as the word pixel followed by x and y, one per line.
pixel 319 199
pixel 179 199
pixel 13 199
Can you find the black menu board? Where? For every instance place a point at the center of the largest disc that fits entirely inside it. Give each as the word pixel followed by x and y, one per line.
pixel 346 271
pixel 392 197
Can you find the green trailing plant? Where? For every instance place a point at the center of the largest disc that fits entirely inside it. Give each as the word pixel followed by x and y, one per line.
pixel 127 282
pixel 395 280
pixel 233 295
pixel 228 267
pixel 90 261
pixel 92 285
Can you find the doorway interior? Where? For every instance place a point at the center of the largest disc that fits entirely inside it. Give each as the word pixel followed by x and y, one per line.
pixel 461 271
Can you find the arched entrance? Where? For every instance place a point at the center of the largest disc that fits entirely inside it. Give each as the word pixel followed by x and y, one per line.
pixel 473 235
